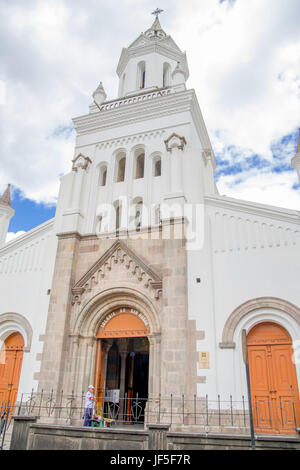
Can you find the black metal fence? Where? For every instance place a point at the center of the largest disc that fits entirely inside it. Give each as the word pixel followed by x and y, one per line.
pixel 6 412
pixel 199 413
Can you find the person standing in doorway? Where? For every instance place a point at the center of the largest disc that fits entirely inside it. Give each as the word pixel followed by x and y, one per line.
pixel 89 406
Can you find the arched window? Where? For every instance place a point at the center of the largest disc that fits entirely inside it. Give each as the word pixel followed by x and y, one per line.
pixel 103 174
pixel 166 75
pixel 140 163
pixel 141 79
pixel 99 224
pixel 157 167
pixel 121 169
pixel 138 213
pixel 118 215
pixel 157 214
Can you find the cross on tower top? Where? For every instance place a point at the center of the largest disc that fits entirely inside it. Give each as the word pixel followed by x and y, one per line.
pixel 157 12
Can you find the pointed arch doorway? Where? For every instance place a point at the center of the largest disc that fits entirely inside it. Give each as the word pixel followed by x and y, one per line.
pixel 273 378
pixel 122 365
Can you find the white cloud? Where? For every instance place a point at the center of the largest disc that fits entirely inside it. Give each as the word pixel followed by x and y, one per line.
pixel 274 189
pixel 244 60
pixel 245 63
pixel 11 235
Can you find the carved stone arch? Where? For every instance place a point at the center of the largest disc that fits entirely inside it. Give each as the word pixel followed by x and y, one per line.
pixel 93 313
pixel 119 252
pixel 255 304
pixel 84 341
pixel 14 322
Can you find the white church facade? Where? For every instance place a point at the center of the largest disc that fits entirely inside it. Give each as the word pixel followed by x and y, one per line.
pixel 146 277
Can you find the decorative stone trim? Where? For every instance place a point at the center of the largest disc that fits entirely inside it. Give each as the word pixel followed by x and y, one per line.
pixel 175 141
pixel 13 321
pixel 95 310
pixel 249 306
pixel 66 235
pixel 131 139
pixel 81 161
pixel 119 252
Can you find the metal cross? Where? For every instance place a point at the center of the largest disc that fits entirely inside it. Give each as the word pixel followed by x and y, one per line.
pixel 157 12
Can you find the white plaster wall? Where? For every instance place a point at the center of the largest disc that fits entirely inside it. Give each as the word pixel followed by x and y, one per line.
pixel 26 269
pixel 250 251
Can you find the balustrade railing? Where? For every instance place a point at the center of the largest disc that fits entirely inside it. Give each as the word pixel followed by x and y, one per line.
pixel 133 99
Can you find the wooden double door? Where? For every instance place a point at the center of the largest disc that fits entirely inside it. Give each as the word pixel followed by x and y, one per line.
pixel 274 387
pixel 11 358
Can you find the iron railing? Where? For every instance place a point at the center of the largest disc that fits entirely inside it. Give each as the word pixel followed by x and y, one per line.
pixel 198 413
pixel 6 412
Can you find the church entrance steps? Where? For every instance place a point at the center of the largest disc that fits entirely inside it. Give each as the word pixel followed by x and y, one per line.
pixel 154 437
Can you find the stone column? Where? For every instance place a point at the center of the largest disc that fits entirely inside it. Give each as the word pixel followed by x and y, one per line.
pixel 123 355
pixel 55 351
pixel 154 365
pixel 91 359
pixel 97 367
pixel 70 379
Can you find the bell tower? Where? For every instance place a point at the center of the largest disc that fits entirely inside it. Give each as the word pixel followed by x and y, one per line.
pixel 152 61
pixel 141 156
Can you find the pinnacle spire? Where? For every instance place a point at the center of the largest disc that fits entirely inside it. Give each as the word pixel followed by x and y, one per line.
pixel 156 25
pixel 156 31
pixel 6 199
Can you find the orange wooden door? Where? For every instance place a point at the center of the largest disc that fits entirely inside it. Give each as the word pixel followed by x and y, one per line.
pixel 10 368
pixel 286 388
pixel 260 386
pixel 274 387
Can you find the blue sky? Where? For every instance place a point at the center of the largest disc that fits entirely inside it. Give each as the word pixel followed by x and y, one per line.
pixel 244 69
pixel 28 214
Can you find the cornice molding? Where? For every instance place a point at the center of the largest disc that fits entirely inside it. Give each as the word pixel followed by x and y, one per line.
pixel 134 112
pixel 253 208
pixel 40 230
pixel 161 106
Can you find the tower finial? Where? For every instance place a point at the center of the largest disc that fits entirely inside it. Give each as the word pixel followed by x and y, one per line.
pixel 5 199
pixel 157 12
